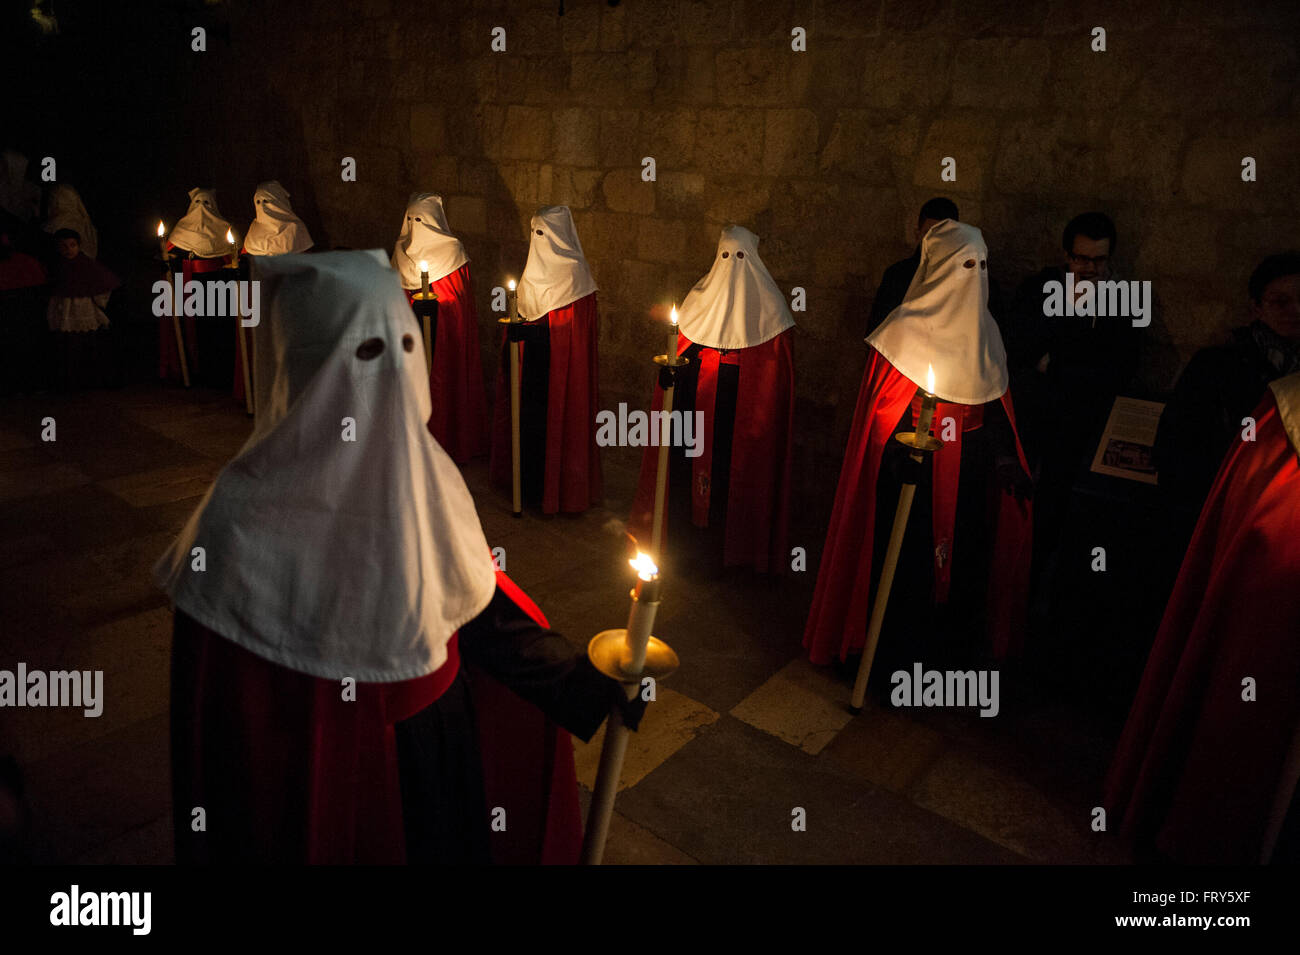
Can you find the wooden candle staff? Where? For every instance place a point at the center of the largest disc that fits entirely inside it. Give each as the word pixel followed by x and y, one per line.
pixel 922 443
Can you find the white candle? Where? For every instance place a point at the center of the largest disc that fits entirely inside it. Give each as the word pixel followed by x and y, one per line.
pixel 424 278
pixel 645 601
pixel 673 333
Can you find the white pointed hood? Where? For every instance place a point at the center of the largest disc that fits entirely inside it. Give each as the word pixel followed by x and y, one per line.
pixel 738 304
pixel 1286 391
pixel 425 236
pixel 66 211
pixel 202 230
pixel 557 273
pixel 276 230
pixel 336 558
pixel 944 320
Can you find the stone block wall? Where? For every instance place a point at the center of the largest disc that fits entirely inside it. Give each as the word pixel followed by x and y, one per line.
pixel 825 154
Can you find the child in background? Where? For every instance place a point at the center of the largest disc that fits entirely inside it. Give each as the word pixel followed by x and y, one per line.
pixel 79 292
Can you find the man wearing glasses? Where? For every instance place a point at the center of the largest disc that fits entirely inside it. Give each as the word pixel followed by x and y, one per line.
pixel 1066 371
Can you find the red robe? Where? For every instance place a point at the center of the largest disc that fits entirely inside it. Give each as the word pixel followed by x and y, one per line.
pixel 572 469
pixel 841 607
pixel 318 779
pixel 459 419
pixel 1198 768
pixel 758 494
pixel 169 364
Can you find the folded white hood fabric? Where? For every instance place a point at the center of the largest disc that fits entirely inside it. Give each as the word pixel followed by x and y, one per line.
pixel 426 237
pixel 336 557
pixel 737 304
pixel 556 273
pixel 67 211
pixel 944 320
pixel 202 230
pixel 276 229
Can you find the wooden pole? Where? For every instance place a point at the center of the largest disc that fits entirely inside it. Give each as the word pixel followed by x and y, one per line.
pixel 882 592
pixel 243 358
pixel 661 475
pixel 516 488
pixel 180 348
pixel 428 339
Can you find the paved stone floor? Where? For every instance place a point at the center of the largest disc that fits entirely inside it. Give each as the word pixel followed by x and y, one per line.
pixel 746 731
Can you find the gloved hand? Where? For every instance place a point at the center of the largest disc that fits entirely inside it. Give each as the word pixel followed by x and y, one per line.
pixel 631 710
pixel 525 331
pixel 897 460
pixel 1013 478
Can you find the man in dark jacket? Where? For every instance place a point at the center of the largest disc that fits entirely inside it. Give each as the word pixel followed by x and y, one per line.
pixel 1222 384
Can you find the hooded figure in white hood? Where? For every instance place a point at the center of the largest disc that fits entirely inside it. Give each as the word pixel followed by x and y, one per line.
pixel 202 231
pixel 276 228
pixel 201 242
pixel 957 565
pixel 560 460
pixel 326 589
pixel 459 419
pixel 738 391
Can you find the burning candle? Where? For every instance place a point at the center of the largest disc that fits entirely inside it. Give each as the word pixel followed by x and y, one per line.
pixel 512 299
pixel 162 238
pixel 645 601
pixel 234 252
pixel 928 402
pixel 424 278
pixel 673 334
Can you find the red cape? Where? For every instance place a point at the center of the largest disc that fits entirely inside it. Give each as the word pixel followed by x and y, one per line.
pixel 758 496
pixel 841 607
pixel 1197 767
pixel 169 364
pixel 572 475
pixel 317 779
pixel 82 277
pixel 459 420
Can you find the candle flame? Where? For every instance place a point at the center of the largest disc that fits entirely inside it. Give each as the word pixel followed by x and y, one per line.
pixel 645 567
pixel 424 266
pixel 673 316
pixel 511 285
pixel 929 378
pixel 161 230
pixel 230 237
